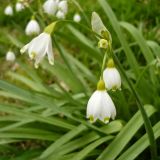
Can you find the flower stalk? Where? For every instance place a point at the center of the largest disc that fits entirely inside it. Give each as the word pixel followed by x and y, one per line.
pixel 50 28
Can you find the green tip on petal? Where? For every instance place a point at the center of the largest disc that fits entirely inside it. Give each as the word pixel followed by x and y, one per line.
pixel 114 88
pixel 22 50
pixel 106 119
pixel 110 63
pixel 50 28
pixel 33 55
pixel 91 118
pixel 36 65
pixel 101 85
pixel 51 62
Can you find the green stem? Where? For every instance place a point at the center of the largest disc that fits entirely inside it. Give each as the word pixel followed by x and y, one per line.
pixel 103 64
pixel 146 120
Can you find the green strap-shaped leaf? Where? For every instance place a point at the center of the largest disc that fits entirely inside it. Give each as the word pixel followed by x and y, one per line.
pixel 140 145
pixel 125 135
pixel 75 144
pixel 62 140
pixel 29 133
pixel 91 147
pixel 113 127
pixel 148 55
pixel 155 47
pixel 25 80
pixel 54 121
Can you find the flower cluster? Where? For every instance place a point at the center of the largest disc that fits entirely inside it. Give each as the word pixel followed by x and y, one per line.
pixel 56 8
pixel 19 6
pixel 100 105
pixel 42 44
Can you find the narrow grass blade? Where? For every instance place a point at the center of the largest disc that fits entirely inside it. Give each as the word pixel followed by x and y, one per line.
pixel 139 146
pixel 121 140
pixel 62 140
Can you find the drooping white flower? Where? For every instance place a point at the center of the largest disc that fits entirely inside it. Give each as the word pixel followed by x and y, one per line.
pixel 19 6
pixel 111 77
pixel 100 105
pixel 39 47
pixel 8 10
pixel 50 7
pixel 10 56
pixel 77 17
pixel 32 28
pixel 60 15
pixel 63 6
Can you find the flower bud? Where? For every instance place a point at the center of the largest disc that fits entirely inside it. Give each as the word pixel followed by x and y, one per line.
pixel 60 15
pixel 19 6
pixel 63 6
pixel 50 7
pixel 10 56
pixel 77 17
pixel 103 43
pixel 8 10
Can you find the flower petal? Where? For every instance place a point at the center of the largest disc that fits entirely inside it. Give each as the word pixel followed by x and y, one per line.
pixel 112 78
pixel 38 45
pixel 24 48
pixel 93 106
pixel 50 52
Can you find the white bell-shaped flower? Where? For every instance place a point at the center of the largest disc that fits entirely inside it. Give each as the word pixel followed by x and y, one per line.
pixel 50 7
pixel 10 56
pixel 60 15
pixel 8 10
pixel 39 47
pixel 77 17
pixel 112 77
pixel 63 6
pixel 32 28
pixel 100 105
pixel 19 6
